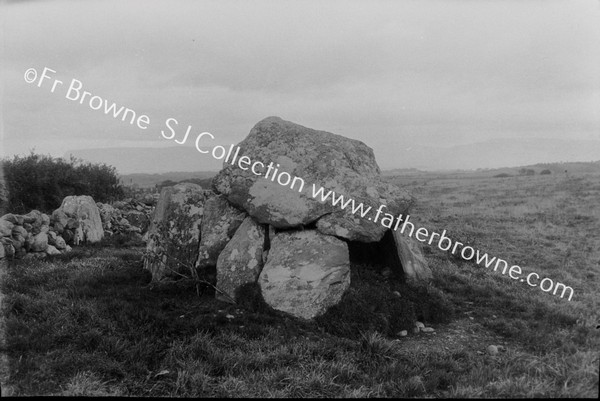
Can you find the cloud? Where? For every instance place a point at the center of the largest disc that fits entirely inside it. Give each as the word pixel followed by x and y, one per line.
pixel 432 72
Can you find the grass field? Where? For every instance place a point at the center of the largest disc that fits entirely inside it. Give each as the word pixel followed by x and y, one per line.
pixel 89 323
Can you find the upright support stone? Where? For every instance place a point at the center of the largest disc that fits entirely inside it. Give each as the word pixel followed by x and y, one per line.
pixel 306 273
pixel 174 232
pixel 241 260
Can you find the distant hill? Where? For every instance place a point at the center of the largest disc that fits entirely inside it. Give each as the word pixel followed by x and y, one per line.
pixel 397 160
pixel 401 171
pixel 150 180
pixel 495 153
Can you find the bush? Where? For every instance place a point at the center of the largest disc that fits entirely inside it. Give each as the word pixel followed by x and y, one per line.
pixel 502 175
pixel 41 182
pixel 545 172
pixel 526 171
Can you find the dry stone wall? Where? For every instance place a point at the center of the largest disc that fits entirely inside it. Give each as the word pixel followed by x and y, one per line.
pixel 77 221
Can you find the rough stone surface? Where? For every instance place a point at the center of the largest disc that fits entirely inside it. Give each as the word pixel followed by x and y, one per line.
pixel 240 262
pixel 13 218
pixel 6 227
pixel 84 209
pixel 492 350
pixel 306 273
pixel 60 243
pixel 339 164
pixel 411 257
pixel 219 224
pixel 50 250
pixel 40 242
pixel 174 231
pixel 138 219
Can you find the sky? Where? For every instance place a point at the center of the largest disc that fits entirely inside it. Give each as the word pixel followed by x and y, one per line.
pixel 397 75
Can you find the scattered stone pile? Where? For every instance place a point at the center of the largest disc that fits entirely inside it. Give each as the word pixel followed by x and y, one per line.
pixel 128 217
pixel 255 230
pixel 36 234
pixel 78 220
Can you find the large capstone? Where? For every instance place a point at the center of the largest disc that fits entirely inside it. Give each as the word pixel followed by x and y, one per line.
pixel 306 273
pixel 174 232
pixel 302 160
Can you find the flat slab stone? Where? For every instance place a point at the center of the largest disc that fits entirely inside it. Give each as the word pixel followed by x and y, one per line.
pixel 241 261
pixel 174 231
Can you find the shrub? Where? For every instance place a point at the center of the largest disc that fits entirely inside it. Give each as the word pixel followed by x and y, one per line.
pixel 502 175
pixel 545 172
pixel 526 171
pixel 42 182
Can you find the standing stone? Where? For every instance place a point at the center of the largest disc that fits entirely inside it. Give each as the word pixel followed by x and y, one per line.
pixel 219 224
pixel 306 273
pixel 411 257
pixel 174 232
pixel 240 262
pixel 84 209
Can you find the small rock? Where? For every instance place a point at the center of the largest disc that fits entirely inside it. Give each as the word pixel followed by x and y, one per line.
pixel 492 350
pixel 402 333
pixel 427 329
pixel 416 330
pixel 419 325
pixel 229 316
pixel 51 250
pixel 396 293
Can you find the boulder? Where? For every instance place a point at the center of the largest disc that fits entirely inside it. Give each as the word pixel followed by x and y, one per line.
pixel 13 218
pixel 107 212
pixel 51 237
pixel 19 236
pixel 411 257
pixel 50 250
pixel 6 227
pixel 60 243
pixel 9 249
pixel 39 243
pixel 219 224
pixel 174 231
pixel 138 219
pixel 84 209
pixel 34 218
pixel 303 157
pixel 59 220
pixel 306 273
pixel 240 262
